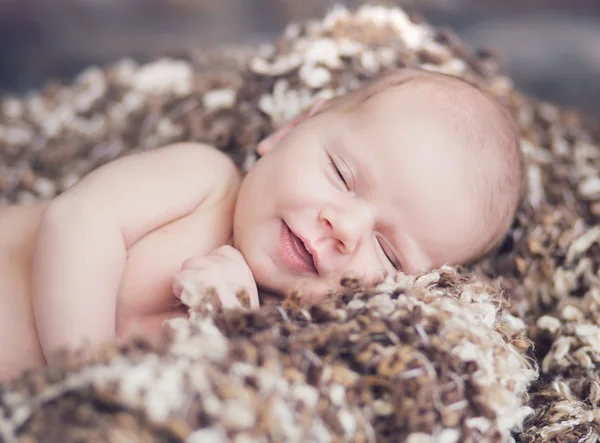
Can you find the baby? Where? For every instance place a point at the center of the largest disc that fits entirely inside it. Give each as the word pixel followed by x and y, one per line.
pixel 412 171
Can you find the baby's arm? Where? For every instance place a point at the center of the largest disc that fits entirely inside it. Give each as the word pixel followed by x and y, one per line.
pixel 81 247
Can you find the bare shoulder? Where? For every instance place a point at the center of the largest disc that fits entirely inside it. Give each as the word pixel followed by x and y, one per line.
pixel 210 165
pixel 201 159
pixel 179 166
pixel 144 191
pixel 199 151
pixel 209 162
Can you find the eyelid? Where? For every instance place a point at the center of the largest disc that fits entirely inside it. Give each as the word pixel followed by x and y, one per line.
pixel 390 256
pixel 347 171
pixel 339 174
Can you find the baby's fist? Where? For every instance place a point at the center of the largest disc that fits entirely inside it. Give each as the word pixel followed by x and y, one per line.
pixel 225 270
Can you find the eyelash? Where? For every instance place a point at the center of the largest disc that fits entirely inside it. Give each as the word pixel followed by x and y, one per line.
pixel 397 267
pixel 338 172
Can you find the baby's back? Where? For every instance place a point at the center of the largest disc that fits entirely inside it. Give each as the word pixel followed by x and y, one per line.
pixel 20 348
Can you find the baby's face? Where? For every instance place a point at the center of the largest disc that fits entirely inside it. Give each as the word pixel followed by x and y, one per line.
pixel 365 192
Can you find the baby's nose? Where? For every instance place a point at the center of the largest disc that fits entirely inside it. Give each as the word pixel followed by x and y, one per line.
pixel 347 226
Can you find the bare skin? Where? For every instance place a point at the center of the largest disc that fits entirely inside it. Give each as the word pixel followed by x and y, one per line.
pixel 144 299
pixel 380 188
pixel 18 225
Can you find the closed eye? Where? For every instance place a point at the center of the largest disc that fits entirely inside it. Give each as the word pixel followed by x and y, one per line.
pixel 336 169
pixel 389 255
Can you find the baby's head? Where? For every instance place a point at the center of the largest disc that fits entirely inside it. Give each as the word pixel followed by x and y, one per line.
pixel 412 171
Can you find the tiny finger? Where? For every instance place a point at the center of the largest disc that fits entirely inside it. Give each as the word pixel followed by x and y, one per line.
pixel 184 280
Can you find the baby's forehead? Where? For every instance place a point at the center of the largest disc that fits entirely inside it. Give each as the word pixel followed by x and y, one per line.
pixel 419 139
pixel 416 138
pixel 470 135
pixel 462 115
pixel 434 112
pixel 435 93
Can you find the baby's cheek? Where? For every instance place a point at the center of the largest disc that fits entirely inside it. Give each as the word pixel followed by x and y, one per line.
pixel 259 270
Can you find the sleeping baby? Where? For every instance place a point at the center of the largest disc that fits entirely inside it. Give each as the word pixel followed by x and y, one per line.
pixel 412 171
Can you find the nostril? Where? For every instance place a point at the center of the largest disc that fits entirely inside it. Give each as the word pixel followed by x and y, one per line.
pixel 342 247
pixel 324 219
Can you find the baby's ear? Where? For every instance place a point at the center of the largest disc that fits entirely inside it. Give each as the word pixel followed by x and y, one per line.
pixel 267 144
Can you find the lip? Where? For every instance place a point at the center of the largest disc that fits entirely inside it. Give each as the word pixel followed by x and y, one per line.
pixel 293 249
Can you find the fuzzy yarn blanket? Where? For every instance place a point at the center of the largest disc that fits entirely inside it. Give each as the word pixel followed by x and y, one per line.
pixel 504 350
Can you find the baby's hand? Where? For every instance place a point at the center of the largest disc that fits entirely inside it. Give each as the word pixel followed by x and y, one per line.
pixel 223 269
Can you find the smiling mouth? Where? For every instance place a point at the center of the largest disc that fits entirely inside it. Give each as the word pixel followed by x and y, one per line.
pixel 294 252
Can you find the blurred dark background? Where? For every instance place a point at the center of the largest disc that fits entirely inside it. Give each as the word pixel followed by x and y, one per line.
pixel 551 47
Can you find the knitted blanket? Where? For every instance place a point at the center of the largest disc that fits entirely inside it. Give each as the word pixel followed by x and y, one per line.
pixel 503 350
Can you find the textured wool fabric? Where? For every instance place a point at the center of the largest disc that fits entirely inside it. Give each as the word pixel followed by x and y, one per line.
pixel 505 349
